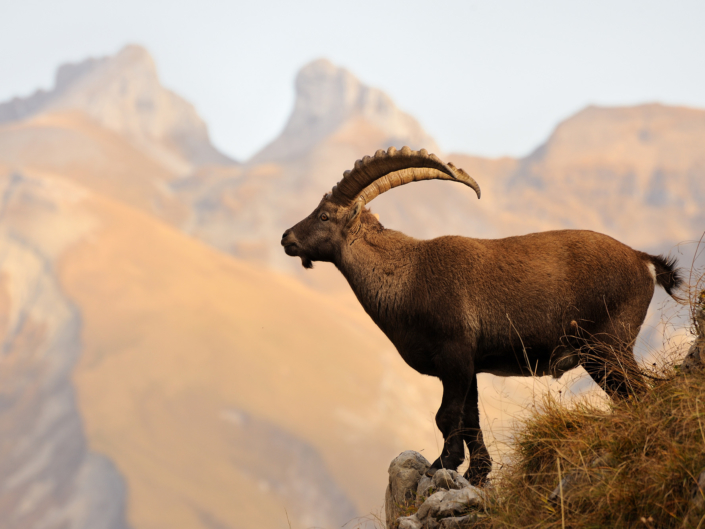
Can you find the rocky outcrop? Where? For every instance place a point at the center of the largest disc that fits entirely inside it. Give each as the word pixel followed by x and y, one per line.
pixel 416 501
pixel 405 472
pixel 123 93
pixel 327 97
pixel 639 168
pixel 49 478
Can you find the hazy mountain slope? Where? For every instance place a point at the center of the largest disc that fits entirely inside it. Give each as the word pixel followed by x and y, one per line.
pixel 48 476
pixel 228 393
pixel 72 144
pixel 327 97
pixel 637 173
pixel 123 94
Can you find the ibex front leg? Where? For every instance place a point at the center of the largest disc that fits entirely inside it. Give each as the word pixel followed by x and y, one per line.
pixel 480 462
pixel 457 380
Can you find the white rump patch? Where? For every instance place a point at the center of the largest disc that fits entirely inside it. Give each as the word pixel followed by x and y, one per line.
pixel 652 270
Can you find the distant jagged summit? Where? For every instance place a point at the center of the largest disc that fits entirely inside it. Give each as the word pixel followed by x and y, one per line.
pixel 636 151
pixel 327 97
pixel 123 93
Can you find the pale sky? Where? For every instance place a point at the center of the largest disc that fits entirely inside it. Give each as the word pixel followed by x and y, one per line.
pixel 489 78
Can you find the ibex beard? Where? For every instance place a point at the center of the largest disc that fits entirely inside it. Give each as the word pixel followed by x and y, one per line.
pixel 454 306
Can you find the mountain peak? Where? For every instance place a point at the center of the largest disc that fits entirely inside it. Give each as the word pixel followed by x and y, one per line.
pixel 128 61
pixel 327 97
pixel 123 93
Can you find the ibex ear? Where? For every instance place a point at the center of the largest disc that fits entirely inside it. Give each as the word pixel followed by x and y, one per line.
pixel 355 211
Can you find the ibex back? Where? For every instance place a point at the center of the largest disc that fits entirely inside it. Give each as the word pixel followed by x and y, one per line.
pixel 455 306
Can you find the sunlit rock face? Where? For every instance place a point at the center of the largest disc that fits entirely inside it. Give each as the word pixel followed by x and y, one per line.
pixel 48 476
pixel 123 93
pixel 637 173
pixel 327 97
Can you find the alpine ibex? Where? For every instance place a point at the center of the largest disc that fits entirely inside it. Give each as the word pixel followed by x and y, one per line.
pixel 455 306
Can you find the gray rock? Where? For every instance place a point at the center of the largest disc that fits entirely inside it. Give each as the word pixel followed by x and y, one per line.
pixel 432 505
pixel 460 522
pixel 449 479
pixel 424 490
pixel 430 523
pixel 408 522
pixel 444 504
pixel 444 479
pixel 405 472
pixel 460 501
pixel 462 481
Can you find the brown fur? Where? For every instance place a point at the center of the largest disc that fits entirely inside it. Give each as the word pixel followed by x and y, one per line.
pixel 455 306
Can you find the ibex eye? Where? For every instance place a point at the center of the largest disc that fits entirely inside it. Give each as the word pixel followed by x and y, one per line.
pixel 324 217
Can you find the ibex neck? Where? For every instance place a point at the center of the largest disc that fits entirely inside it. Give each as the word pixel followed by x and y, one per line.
pixel 376 265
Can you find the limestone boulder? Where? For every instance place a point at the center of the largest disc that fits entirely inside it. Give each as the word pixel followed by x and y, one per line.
pixel 424 490
pixel 449 479
pixel 405 472
pixel 431 506
pixel 444 501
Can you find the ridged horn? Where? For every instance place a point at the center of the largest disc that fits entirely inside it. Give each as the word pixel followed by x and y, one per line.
pixel 373 176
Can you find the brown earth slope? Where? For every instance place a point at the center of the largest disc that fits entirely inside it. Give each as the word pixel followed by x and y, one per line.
pixel 72 144
pixel 194 362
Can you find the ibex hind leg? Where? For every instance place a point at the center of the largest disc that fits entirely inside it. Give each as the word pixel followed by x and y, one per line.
pixel 608 357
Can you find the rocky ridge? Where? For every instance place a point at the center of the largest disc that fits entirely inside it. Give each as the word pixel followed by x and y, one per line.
pixel 123 93
pixel 636 173
pixel 327 97
pixel 50 478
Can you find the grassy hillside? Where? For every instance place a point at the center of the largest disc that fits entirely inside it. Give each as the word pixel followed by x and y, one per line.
pixel 635 464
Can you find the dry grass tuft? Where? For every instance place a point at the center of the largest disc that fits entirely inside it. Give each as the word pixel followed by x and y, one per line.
pixel 635 465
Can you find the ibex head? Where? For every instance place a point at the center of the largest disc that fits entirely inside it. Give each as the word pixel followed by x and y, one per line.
pixel 341 217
